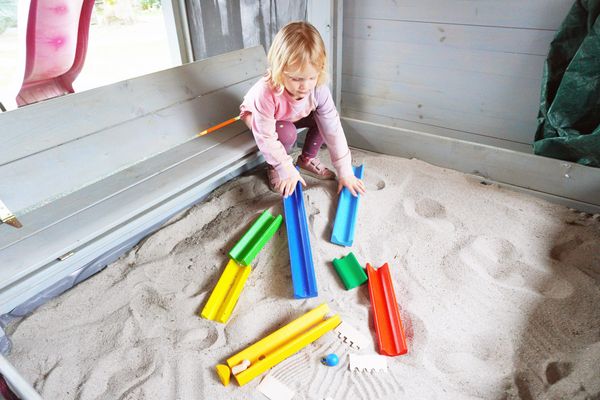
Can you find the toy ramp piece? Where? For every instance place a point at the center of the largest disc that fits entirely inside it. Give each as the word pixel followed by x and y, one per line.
pixel 388 326
pixel 345 217
pixel 224 374
pixel 301 261
pixel 225 295
pixel 350 271
pixel 283 343
pixel 255 238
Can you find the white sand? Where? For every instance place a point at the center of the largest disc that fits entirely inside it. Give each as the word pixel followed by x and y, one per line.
pixel 499 294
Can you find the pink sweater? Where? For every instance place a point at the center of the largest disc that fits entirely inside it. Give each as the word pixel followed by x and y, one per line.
pixel 267 106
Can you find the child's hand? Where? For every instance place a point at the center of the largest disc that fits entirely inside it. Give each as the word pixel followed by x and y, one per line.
pixel 287 186
pixel 355 186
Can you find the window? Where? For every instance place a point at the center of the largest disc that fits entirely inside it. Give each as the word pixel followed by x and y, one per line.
pixel 8 51
pixel 127 38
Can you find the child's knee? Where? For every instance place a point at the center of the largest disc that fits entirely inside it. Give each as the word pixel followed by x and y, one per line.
pixel 286 133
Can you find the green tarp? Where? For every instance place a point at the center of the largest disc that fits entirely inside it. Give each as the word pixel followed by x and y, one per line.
pixel 569 117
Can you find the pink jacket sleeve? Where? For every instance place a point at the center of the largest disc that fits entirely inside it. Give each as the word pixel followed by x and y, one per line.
pixel 328 120
pixel 263 129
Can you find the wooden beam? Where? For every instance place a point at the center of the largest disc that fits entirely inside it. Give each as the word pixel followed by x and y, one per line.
pixel 574 185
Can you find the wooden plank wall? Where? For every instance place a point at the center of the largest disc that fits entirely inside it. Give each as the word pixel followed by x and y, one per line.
pixel 562 182
pixel 54 148
pixel 459 68
pixel 87 172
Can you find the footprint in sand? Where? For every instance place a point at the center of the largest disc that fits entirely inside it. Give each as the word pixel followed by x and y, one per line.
pixel 458 366
pixel 455 360
pixel 575 376
pixel 562 250
pixel 557 370
pixel 198 338
pixel 497 261
pixel 147 303
pixel 117 373
pixel 373 181
pixel 583 254
pixel 379 184
pixel 430 212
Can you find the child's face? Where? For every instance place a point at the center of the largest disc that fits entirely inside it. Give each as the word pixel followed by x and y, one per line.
pixel 300 81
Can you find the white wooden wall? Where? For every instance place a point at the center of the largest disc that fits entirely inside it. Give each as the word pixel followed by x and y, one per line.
pixel 467 69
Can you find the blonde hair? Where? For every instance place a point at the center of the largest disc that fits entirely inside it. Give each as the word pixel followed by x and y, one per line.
pixel 296 45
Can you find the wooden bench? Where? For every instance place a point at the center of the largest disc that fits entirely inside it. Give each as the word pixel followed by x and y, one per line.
pixel 89 174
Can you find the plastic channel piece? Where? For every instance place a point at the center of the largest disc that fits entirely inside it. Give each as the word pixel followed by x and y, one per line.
pixel 284 342
pixel 301 261
pixel 388 326
pixel 226 293
pixel 350 271
pixel 345 216
pixel 255 238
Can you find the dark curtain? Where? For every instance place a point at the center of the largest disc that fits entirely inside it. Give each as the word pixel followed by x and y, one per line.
pixel 220 26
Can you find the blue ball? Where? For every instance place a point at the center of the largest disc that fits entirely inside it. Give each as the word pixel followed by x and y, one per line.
pixel 331 360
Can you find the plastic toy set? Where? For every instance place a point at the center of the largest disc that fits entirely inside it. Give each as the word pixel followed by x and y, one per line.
pixel 226 293
pixel 286 341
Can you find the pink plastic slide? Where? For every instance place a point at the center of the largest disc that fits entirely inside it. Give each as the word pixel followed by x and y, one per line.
pixel 57 37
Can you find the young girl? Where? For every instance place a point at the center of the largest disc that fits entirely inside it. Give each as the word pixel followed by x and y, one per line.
pixel 293 95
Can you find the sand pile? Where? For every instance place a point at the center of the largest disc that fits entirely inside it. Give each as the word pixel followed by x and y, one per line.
pixel 499 294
